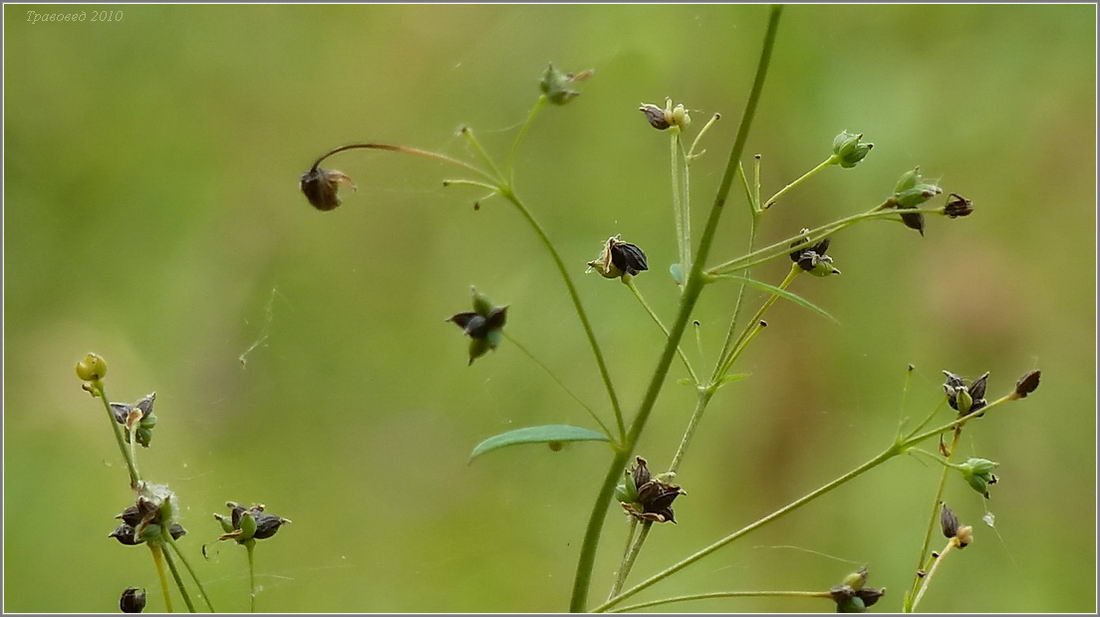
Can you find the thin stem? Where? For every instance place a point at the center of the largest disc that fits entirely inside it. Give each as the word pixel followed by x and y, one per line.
pixel 929 530
pixel 629 558
pixel 488 160
pixel 725 594
pixel 939 459
pixel 179 580
pixel 692 288
pixel 749 197
pixel 928 418
pixel 575 297
pixel 685 185
pixel 683 244
pixel 131 461
pixel 728 355
pixel 511 160
pixel 952 543
pixel 691 154
pixel 833 159
pixel 787 509
pixel 696 415
pixel 558 381
pixel 629 282
pixel 904 397
pixel 463 182
pixel 186 564
pixel 756 181
pixel 894 450
pixel 251 547
pixel 158 561
pixel 784 247
pixel 404 150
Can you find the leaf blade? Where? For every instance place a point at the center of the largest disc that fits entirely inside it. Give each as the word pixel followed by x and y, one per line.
pixel 782 293
pixel 546 433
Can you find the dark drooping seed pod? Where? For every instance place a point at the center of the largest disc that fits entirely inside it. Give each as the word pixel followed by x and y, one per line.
pixel 484 325
pixel 957 206
pixel 320 187
pixel 812 258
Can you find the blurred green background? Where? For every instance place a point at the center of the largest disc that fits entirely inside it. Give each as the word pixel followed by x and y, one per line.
pixel 152 215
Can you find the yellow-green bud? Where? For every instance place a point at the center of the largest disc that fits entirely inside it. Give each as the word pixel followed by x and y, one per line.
pixel 248 527
pixel 92 368
pixel 849 149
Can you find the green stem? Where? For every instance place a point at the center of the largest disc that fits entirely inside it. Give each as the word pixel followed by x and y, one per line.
pixel 488 160
pixel 558 381
pixel 726 594
pixel 683 242
pixel 629 558
pixel 696 415
pixel 404 150
pixel 251 547
pixel 692 288
pixel 131 461
pixel 832 160
pixel 894 450
pixel 786 246
pixel 191 571
pixel 787 509
pixel 179 580
pixel 508 194
pixel 510 162
pixel 158 561
pixel 928 579
pixel 929 529
pixel 691 154
pixel 938 459
pixel 904 397
pixel 629 282
pixel 464 182
pixel 928 418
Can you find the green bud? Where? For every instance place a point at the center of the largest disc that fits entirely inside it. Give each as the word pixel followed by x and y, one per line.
pixel 627 491
pixel 92 368
pixel 850 149
pixel 963 401
pixel 852 604
pixel 248 526
pixel 557 86
pixel 482 305
pixel 856 580
pixel 911 189
pixel 151 532
pixel 226 522
pixel 978 473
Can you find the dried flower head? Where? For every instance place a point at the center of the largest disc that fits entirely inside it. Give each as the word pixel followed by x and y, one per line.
pixel 484 325
pixel 1026 385
pixel 957 206
pixel 812 258
pixel 320 187
pixel 852 596
pixel 965 398
pixel 248 524
pixel 138 418
pixel 619 259
pixel 645 497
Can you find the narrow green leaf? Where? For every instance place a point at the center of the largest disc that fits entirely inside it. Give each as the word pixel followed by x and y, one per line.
pixel 732 377
pixel 782 293
pixel 548 433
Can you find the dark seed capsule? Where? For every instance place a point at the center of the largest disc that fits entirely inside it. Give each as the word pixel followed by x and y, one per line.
pixel 132 600
pixel 1027 384
pixel 949 523
pixel 556 446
